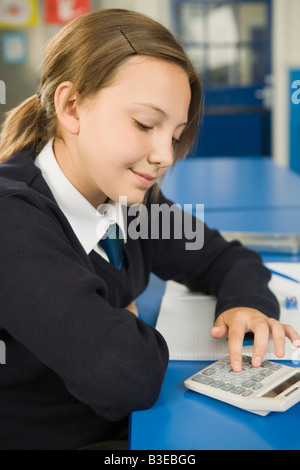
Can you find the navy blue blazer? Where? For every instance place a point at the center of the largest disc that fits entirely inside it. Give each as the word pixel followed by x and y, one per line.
pixel 78 362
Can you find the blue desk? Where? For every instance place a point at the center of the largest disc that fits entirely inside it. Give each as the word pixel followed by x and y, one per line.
pixel 233 183
pixel 283 220
pixel 182 419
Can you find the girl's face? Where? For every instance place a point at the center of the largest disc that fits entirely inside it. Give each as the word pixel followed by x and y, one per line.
pixel 127 131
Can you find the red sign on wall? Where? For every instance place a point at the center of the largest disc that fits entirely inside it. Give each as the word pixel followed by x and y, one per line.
pixel 63 11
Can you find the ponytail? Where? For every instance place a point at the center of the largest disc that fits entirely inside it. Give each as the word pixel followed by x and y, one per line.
pixel 25 126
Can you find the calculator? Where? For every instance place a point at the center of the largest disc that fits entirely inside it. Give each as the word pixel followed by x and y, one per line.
pixel 270 387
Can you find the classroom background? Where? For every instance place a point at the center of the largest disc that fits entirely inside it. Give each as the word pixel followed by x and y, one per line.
pixel 246 52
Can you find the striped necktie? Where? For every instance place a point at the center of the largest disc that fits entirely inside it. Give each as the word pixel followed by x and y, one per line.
pixel 113 246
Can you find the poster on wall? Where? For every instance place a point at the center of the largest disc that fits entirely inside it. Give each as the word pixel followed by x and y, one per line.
pixel 63 11
pixel 18 13
pixel 14 48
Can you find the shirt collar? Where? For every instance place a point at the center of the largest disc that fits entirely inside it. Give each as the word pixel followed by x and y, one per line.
pixel 88 223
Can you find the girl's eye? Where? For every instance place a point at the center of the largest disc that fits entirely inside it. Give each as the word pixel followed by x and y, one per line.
pixel 146 128
pixel 142 126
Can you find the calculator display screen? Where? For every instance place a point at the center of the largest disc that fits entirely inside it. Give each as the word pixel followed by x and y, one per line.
pixel 283 386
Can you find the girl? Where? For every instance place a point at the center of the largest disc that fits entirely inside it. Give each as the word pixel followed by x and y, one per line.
pixel 118 103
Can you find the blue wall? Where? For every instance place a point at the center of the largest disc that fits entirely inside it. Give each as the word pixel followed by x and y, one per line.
pixel 295 120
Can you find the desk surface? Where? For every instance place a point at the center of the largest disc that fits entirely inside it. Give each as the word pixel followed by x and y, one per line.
pixel 238 195
pixel 283 220
pixel 232 183
pixel 184 420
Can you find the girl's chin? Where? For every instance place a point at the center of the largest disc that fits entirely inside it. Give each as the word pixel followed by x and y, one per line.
pixel 130 199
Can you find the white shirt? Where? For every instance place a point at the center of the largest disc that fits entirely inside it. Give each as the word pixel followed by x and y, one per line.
pixel 88 223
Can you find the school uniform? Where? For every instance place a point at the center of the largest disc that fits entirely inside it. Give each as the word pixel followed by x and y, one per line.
pixel 78 362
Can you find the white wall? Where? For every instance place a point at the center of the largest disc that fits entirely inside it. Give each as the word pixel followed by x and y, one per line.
pixel 286 55
pixel 157 9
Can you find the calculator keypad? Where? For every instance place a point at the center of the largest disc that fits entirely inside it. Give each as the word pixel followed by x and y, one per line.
pixel 220 375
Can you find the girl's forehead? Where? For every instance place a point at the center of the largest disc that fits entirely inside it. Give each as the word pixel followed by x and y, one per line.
pixel 141 80
pixel 145 68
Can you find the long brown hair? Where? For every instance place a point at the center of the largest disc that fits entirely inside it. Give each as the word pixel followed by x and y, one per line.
pixel 88 52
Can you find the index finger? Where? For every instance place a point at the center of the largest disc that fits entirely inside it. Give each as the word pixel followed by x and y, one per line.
pixel 236 335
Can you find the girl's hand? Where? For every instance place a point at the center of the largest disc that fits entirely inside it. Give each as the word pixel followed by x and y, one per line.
pixel 235 322
pixel 133 308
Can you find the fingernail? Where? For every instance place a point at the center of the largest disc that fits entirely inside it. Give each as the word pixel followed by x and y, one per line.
pixel 237 366
pixel 280 351
pixel 257 361
pixel 217 328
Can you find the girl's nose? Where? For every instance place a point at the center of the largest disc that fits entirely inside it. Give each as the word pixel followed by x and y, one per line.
pixel 162 155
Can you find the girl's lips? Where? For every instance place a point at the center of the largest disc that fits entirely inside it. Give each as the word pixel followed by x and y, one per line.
pixel 144 179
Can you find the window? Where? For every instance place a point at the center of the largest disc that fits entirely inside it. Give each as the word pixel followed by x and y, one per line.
pixel 228 42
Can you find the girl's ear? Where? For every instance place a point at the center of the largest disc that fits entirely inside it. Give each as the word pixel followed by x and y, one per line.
pixel 67 115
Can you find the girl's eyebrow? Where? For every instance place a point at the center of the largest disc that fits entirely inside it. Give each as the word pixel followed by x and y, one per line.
pixel 155 108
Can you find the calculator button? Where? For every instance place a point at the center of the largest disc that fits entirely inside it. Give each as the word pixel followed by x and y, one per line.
pixel 238 390
pixel 239 379
pixel 217 383
pixel 219 374
pixel 248 374
pixel 217 366
pixel 227 387
pixel 247 393
pixel 208 372
pixel 276 366
pixel 236 381
pixel 226 361
pixel 257 386
pixel 266 364
pixel 267 372
pixel 203 379
pixel 248 383
pixel 231 375
pixel 258 378
pixel 246 366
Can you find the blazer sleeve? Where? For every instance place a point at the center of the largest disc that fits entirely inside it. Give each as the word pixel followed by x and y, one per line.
pixel 54 305
pixel 229 271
